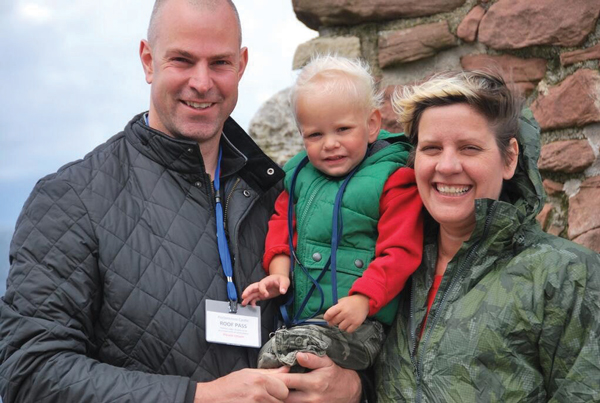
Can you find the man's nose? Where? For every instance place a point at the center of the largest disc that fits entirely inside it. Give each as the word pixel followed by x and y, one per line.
pixel 201 79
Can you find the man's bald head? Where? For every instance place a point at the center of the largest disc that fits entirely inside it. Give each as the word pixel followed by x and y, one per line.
pixel 207 5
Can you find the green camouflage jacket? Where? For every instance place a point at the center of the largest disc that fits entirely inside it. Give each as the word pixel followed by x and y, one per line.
pixel 516 317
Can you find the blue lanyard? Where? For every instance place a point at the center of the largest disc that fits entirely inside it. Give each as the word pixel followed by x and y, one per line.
pixel 222 240
pixel 331 264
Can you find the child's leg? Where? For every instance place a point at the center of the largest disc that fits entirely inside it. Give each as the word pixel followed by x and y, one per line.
pixel 281 349
pixel 355 350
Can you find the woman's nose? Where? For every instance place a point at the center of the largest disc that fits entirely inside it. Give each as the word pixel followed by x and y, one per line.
pixel 449 163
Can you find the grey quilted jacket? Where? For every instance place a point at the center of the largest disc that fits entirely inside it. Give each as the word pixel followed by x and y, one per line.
pixel 112 259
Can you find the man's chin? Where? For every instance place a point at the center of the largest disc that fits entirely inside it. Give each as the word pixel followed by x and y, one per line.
pixel 197 132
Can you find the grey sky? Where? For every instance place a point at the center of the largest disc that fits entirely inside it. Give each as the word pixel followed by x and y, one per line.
pixel 71 78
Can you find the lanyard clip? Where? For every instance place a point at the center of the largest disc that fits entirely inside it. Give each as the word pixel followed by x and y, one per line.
pixel 232 306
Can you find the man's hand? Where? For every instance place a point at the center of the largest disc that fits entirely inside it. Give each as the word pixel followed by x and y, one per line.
pixel 326 383
pixel 271 286
pixel 349 313
pixel 246 385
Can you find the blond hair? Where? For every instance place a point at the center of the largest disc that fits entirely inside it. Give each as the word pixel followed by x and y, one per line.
pixel 485 92
pixel 334 74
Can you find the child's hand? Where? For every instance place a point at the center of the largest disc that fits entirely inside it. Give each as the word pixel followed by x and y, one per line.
pixel 349 313
pixel 269 287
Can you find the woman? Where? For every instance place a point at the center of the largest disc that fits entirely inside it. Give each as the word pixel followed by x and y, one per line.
pixel 498 309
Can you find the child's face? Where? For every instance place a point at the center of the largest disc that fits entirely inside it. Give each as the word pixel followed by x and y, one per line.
pixel 336 130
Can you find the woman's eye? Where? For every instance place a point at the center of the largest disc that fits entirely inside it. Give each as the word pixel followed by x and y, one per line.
pixel 472 149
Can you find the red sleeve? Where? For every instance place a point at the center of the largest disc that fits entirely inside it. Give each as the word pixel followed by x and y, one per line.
pixel 277 242
pixel 400 242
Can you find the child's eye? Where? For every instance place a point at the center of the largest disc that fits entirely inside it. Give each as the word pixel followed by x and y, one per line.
pixel 313 135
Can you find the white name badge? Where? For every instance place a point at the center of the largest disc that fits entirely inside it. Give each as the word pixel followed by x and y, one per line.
pixel 238 329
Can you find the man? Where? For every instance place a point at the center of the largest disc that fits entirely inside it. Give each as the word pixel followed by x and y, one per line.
pixel 114 256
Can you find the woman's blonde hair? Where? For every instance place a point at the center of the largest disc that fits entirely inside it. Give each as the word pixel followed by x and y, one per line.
pixel 485 92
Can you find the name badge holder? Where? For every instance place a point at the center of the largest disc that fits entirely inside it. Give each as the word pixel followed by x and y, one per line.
pixel 226 322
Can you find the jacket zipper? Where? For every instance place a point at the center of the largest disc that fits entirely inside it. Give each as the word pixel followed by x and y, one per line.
pixel 237 181
pixel 471 254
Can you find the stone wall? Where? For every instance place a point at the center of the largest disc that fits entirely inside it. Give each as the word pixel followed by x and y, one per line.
pixel 549 50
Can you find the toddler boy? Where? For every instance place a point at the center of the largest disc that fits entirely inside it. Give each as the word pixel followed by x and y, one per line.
pixel 356 222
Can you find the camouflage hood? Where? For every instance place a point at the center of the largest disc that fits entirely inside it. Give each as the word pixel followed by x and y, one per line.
pixel 525 189
pixel 512 219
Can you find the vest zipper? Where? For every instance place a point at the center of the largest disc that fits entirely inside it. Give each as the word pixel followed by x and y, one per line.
pixel 471 254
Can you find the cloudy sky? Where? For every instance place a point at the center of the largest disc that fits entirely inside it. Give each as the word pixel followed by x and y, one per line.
pixel 71 78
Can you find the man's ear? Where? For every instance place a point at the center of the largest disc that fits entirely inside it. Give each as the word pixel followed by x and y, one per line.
pixel 243 62
pixel 512 159
pixel 374 123
pixel 146 58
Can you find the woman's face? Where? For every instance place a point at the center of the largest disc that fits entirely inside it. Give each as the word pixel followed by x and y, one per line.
pixel 457 161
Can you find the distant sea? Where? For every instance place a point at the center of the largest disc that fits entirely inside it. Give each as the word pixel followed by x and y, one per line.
pixel 5 237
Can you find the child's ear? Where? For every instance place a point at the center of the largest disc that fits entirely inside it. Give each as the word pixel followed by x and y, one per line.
pixel 374 123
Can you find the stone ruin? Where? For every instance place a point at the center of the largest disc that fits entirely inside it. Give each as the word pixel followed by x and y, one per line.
pixel 549 50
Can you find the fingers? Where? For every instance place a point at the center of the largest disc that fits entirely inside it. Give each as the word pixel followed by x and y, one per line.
pixel 262 288
pixel 331 313
pixel 348 325
pixel 311 361
pixel 251 289
pixel 250 297
pixel 249 384
pixel 284 284
pixel 272 371
pixel 276 388
pixel 274 285
pixel 307 382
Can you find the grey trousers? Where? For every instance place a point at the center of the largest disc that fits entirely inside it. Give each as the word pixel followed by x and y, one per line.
pixel 356 350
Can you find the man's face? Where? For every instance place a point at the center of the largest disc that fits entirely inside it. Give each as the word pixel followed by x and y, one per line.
pixel 194 67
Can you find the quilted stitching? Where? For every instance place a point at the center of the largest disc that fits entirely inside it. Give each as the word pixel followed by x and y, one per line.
pixel 110 255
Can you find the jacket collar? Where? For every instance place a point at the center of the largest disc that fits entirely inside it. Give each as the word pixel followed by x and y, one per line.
pixel 241 155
